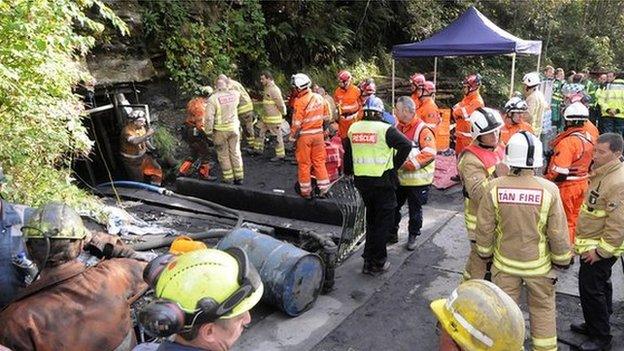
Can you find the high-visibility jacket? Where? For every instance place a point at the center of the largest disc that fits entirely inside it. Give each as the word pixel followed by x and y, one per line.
pixel 510 129
pixel 590 89
pixel 245 104
pixel 370 152
pixel 536 107
pixel 348 103
pixel 522 224
pixel 419 167
pixel 273 103
pixel 195 112
pixel 592 131
pixel 310 109
pixel 572 156
pixel 476 169
pixel 416 99
pixel 612 98
pixel 557 96
pixel 222 112
pixel 463 110
pixel 430 114
pixel 601 219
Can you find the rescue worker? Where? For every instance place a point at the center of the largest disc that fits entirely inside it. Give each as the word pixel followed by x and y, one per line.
pixel 521 226
pixel 201 314
pixel 478 315
pixel 371 158
pixel 71 306
pixel 416 173
pixel 427 109
pixel 611 100
pixel 461 111
pixel 478 164
pixel 347 98
pixel 557 99
pixel 417 80
pixel 245 110
pixel 535 100
pixel 222 126
pixel 368 90
pixel 309 113
pixel 139 164
pixel 600 240
pixel 591 88
pixel 515 109
pixel 193 133
pixel 274 112
pixel 569 164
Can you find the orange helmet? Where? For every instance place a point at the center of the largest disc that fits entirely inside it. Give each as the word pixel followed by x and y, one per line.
pixel 417 79
pixel 344 75
pixel 472 81
pixel 428 88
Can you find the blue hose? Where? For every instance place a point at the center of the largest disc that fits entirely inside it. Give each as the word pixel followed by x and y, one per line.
pixel 135 185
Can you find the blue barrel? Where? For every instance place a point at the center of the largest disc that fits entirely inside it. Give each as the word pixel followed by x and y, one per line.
pixel 292 277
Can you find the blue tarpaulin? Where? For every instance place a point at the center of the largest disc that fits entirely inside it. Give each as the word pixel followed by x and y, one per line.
pixel 470 34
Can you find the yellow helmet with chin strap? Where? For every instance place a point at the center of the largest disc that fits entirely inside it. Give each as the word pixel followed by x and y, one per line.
pixel 479 316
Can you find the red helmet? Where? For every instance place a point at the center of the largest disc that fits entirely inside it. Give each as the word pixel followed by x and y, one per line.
pixel 417 79
pixel 473 81
pixel 428 88
pixel 368 87
pixel 344 75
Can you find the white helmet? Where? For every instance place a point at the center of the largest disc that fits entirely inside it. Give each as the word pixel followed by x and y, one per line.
pixel 524 150
pixel 531 79
pixel 576 112
pixel 485 120
pixel 300 81
pixel 516 104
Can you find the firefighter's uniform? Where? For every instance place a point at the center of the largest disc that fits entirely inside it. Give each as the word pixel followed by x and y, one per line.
pixel 476 169
pixel 222 121
pixel 568 168
pixel 349 104
pixel 310 110
pixel 430 114
pixel 601 227
pixel 274 112
pixel 521 224
pixel 245 111
pixel 461 114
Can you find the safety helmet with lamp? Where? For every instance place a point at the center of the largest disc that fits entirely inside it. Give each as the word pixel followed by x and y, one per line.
pixel 484 120
pixel 229 286
pixel 531 79
pixel 516 104
pixel 478 315
pixel 576 112
pixel 344 76
pixel 524 150
pixel 54 221
pixel 300 81
pixel 472 81
pixel 428 88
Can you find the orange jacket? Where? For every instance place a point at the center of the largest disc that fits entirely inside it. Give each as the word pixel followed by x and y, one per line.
pixel 510 129
pixel 195 112
pixel 310 109
pixel 347 100
pixel 416 100
pixel 429 113
pixel 462 111
pixel 572 155
pixel 590 128
pixel 426 144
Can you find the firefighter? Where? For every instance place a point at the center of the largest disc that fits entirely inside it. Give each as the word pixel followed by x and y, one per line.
pixel 535 100
pixel 274 112
pixel 417 80
pixel 222 126
pixel 201 314
pixel 600 240
pixel 139 164
pixel 478 164
pixel 427 109
pixel 71 306
pixel 461 111
pixel 245 110
pixel 521 226
pixel 309 113
pixel 478 315
pixel 371 158
pixel 569 164
pixel 347 98
pixel 416 173
pixel 193 134
pixel 515 109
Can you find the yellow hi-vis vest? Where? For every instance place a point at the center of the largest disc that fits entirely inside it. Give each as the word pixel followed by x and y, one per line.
pixel 371 154
pixel 421 176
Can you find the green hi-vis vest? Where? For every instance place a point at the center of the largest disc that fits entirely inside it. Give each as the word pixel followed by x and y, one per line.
pixel 371 154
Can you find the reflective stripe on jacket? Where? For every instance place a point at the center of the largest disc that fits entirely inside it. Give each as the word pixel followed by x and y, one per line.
pixel 222 112
pixel 419 167
pixel 310 110
pixel 370 153
pixel 572 155
pixel 273 103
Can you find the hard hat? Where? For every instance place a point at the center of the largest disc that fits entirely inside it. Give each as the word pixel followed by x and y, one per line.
pixel 417 79
pixel 300 81
pixel 344 75
pixel 531 79
pixel 478 315
pixel 136 114
pixel 428 88
pixel 485 120
pixel 374 104
pixel 229 286
pixel 368 87
pixel 576 112
pixel 205 90
pixel 54 220
pixel 472 81
pixel 524 150
pixel 516 104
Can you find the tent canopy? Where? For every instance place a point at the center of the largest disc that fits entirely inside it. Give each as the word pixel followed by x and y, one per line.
pixel 470 34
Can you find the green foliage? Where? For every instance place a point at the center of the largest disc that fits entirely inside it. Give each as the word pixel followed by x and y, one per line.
pixel 165 141
pixel 40 117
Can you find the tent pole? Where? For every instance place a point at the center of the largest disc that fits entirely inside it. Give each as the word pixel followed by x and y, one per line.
pixel 513 73
pixel 435 70
pixel 393 60
pixel 539 58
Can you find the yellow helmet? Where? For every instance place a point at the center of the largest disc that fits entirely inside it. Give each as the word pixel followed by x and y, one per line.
pixel 479 316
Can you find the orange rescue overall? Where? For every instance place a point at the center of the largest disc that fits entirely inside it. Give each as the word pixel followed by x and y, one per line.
pixel 348 103
pixel 461 113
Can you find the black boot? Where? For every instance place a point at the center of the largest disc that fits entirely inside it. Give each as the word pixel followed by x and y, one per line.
pixel 579 328
pixel 595 344
pixel 411 242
